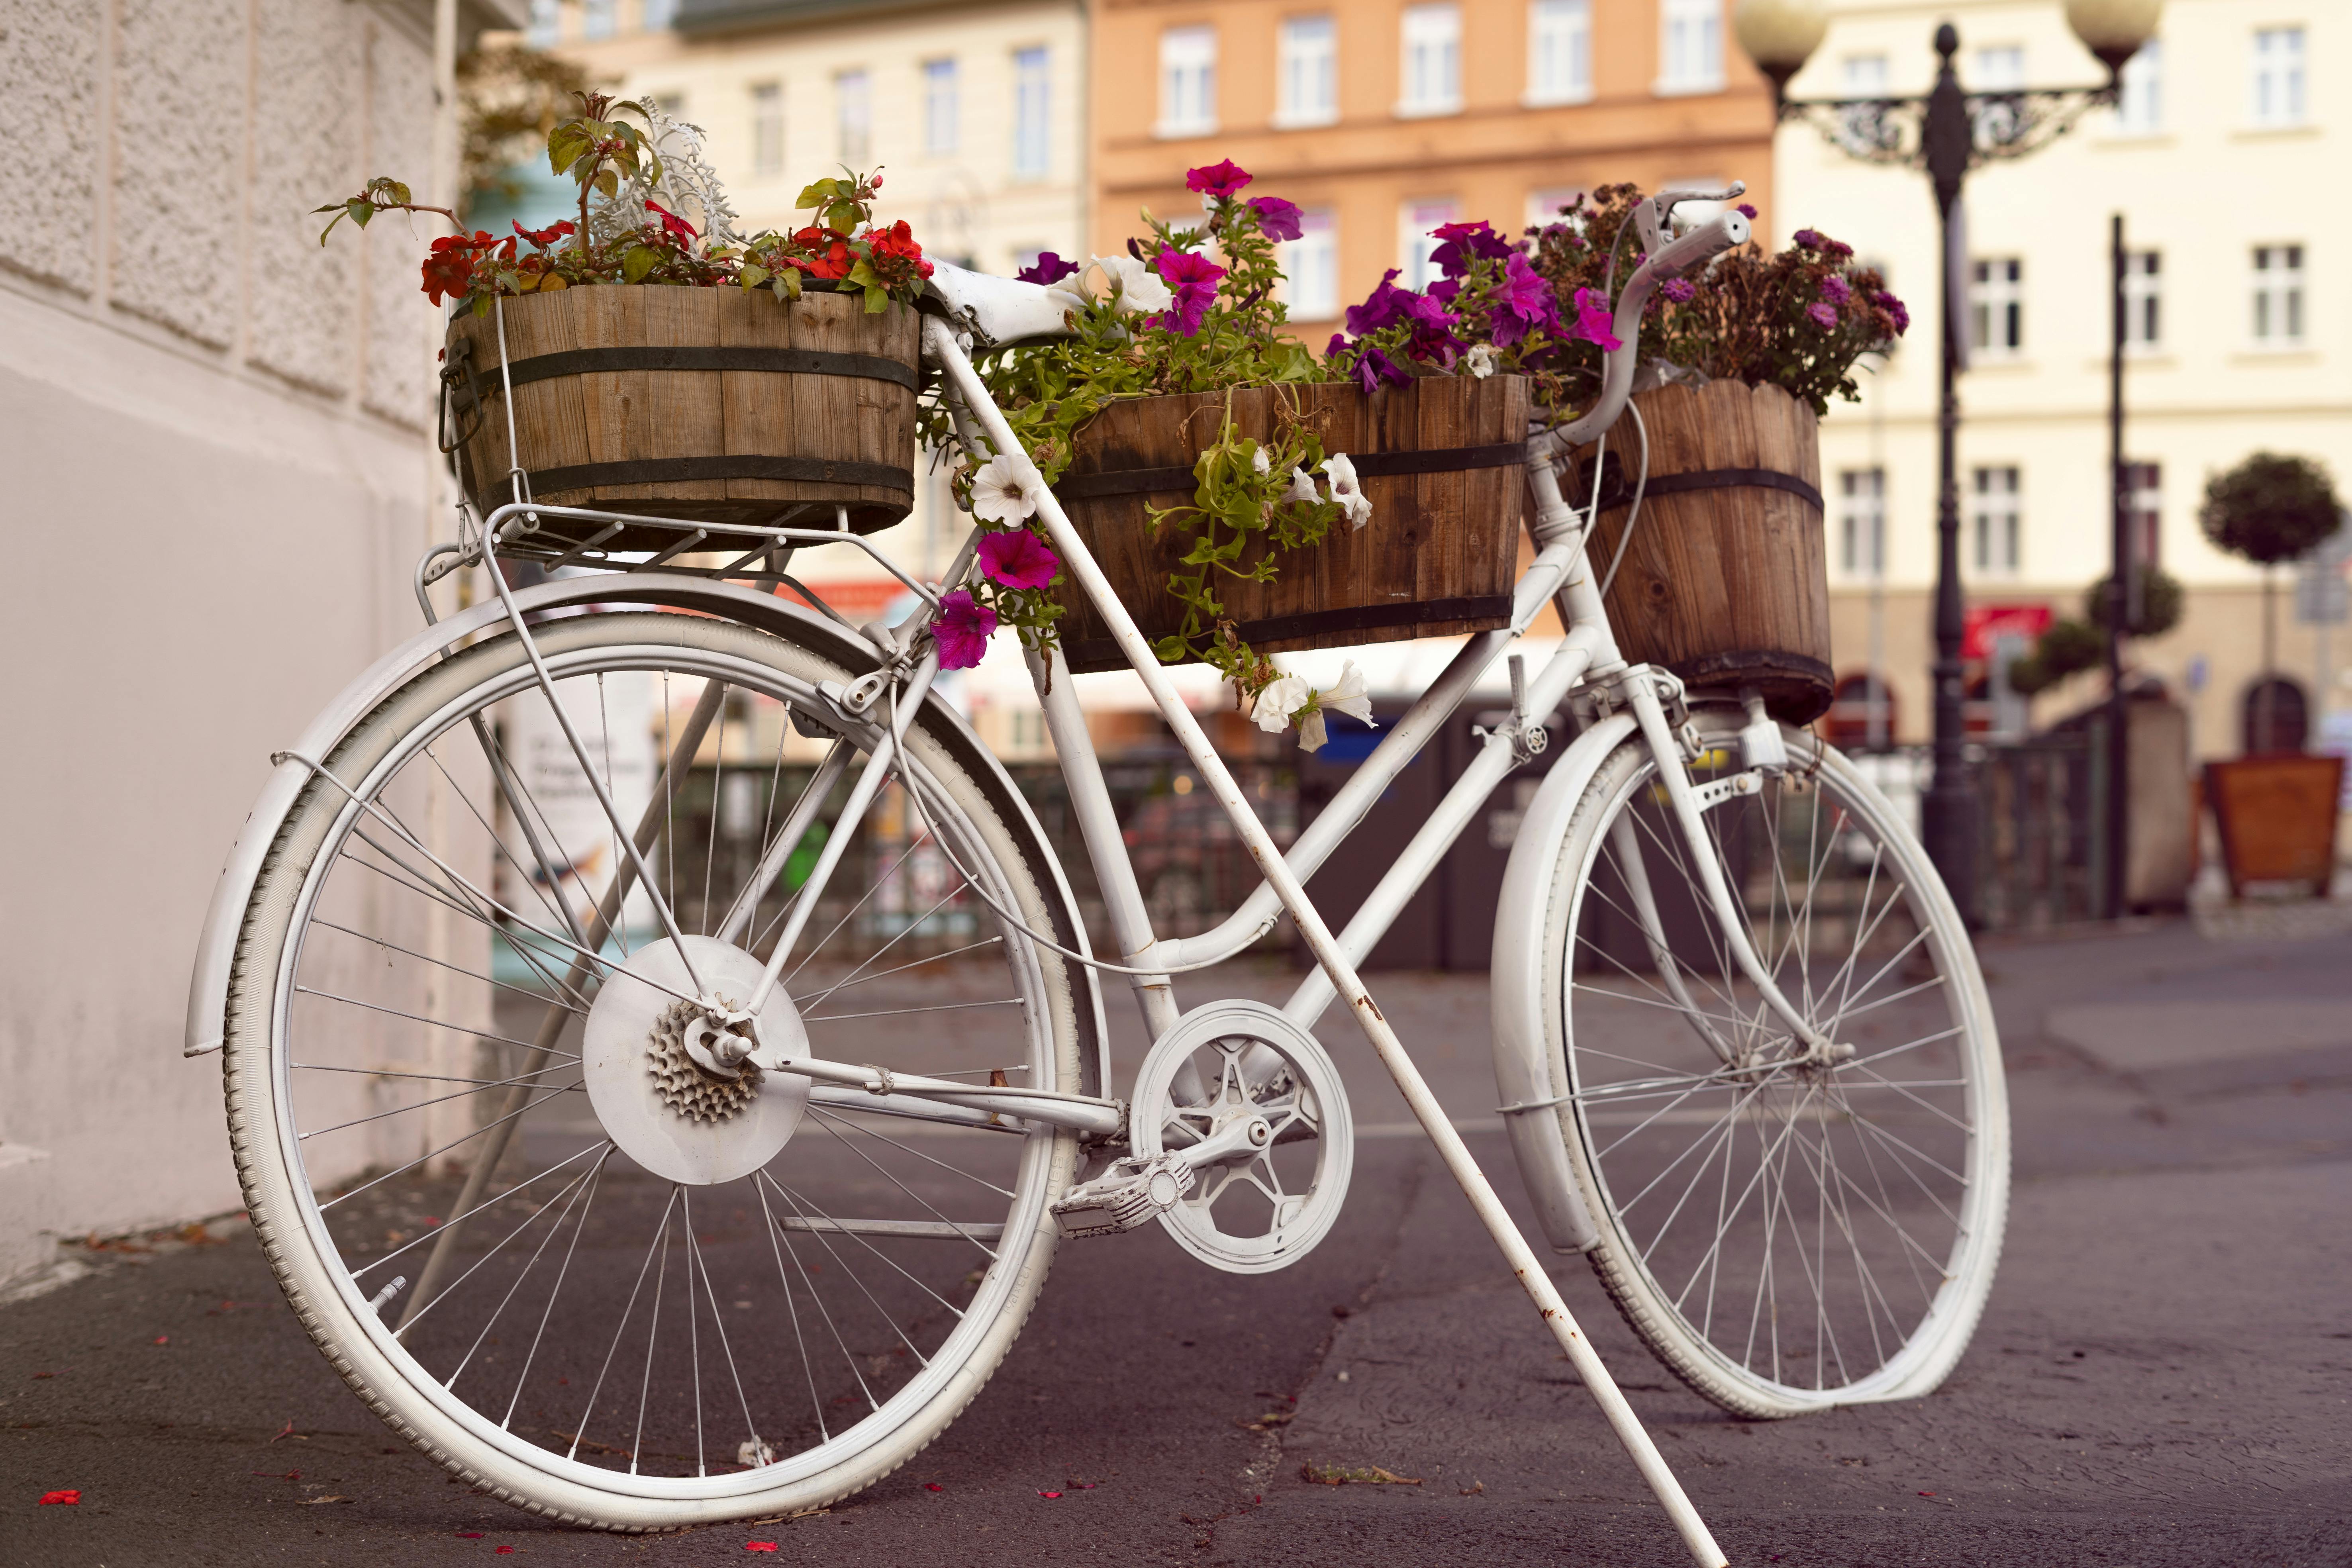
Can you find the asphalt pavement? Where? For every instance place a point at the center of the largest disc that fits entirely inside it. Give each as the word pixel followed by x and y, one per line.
pixel 2164 1375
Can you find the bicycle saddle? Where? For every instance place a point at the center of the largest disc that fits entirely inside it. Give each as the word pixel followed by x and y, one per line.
pixel 999 310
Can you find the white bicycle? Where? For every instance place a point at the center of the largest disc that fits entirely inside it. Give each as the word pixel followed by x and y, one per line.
pixel 719 1254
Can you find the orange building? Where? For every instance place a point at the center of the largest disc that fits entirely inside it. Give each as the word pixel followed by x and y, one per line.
pixel 1385 118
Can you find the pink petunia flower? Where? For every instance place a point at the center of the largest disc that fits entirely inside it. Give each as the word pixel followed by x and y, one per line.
pixel 1194 277
pixel 1278 218
pixel 962 630
pixel 1017 559
pixel 1219 179
pixel 1592 319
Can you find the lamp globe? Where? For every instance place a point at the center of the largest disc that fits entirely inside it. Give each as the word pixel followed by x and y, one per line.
pixel 2113 30
pixel 1779 36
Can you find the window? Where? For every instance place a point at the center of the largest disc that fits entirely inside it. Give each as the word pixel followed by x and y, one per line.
pixel 545 28
pixel 1861 522
pixel 1997 306
pixel 1690 46
pixel 1543 205
pixel 1308 79
pixel 596 19
pixel 1033 114
pixel 2143 300
pixel 768 129
pixel 672 103
pixel 2140 110
pixel 2144 511
pixel 1432 60
pixel 1412 253
pixel 853 117
pixel 1994 523
pixel 2000 69
pixel 2278 296
pixel 2278 77
pixel 1188 81
pixel 1310 267
pixel 942 131
pixel 659 15
pixel 1560 51
pixel 1864 76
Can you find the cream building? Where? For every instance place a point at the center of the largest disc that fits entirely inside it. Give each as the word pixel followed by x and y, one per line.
pixel 218 467
pixel 2222 159
pixel 975 112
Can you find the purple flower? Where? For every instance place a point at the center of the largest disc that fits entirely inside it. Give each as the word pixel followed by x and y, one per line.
pixel 1376 368
pixel 1592 320
pixel 1049 268
pixel 1679 290
pixel 1811 238
pixel 1836 290
pixel 1896 310
pixel 962 630
pixel 1221 179
pixel 1824 316
pixel 1336 346
pixel 1836 250
pixel 1460 244
pixel 1746 211
pixel 1381 306
pixel 1194 278
pixel 1278 218
pixel 1432 330
pixel 1523 303
pixel 1017 559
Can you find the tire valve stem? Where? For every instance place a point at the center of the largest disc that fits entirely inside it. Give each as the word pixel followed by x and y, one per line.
pixel 387 1293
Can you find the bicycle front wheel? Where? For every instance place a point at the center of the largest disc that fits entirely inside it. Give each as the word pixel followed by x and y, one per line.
pixel 679 1297
pixel 1786 1235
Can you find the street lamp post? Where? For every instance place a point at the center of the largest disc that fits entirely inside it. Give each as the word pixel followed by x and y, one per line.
pixel 1945 132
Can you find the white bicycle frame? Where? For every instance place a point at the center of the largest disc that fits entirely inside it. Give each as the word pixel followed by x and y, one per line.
pixel 895 692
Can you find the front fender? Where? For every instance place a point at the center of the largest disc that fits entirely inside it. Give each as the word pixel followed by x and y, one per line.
pixel 1522 1052
pixel 217 948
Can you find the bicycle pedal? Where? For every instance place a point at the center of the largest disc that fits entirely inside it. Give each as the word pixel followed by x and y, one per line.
pixel 1132 1191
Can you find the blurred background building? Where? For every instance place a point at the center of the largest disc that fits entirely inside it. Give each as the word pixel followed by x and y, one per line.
pixel 2230 118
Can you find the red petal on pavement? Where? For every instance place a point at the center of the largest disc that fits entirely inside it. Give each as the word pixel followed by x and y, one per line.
pixel 1926 1494
pixel 759 1546
pixel 469 1535
pixel 504 1550
pixel 1049 1494
pixel 933 1487
pixel 70 1497
pixel 162 1339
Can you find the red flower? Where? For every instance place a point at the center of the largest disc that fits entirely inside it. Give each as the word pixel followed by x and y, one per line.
pixel 449 268
pixel 828 252
pixel 543 237
pixel 675 226
pixel 896 243
pixel 48 1497
pixel 1221 179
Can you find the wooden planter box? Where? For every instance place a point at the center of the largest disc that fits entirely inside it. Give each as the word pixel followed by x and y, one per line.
pixel 1727 583
pixel 2277 816
pixel 1442 462
pixel 705 405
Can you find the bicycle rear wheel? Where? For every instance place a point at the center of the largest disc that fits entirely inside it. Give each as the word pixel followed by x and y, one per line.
pixel 610 1336
pixel 1785 1237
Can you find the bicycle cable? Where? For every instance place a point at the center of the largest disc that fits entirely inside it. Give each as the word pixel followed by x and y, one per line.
pixel 1641 482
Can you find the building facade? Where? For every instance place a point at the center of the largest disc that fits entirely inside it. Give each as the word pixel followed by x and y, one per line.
pixel 219 467
pixel 2240 335
pixel 1384 120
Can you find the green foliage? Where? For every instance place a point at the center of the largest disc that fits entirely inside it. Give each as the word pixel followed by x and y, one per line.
pixel 2066 648
pixel 2270 508
pixel 2160 603
pixel 510 98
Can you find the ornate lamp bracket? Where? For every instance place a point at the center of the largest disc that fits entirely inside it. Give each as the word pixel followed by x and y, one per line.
pixel 2002 125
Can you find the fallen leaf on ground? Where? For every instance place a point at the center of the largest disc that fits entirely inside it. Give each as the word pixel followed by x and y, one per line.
pixel 66 1497
pixel 1357 1475
pixel 280 1474
pixel 1269 1421
pixel 1473 1489
pixel 308 1501
pixel 285 1431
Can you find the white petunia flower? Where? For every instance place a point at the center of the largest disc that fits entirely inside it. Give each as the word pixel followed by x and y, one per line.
pixel 1261 462
pixel 1302 488
pixel 1346 490
pixel 1278 700
pixel 999 494
pixel 1138 288
pixel 1350 697
pixel 1481 360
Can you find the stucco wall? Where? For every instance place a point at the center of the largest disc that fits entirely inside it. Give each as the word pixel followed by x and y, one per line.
pixel 217 470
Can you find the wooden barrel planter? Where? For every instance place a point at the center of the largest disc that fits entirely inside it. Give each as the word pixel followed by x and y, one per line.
pixel 1726 581
pixel 710 405
pixel 1442 462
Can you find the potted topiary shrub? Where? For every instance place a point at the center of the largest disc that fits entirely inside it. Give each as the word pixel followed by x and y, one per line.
pixel 2276 811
